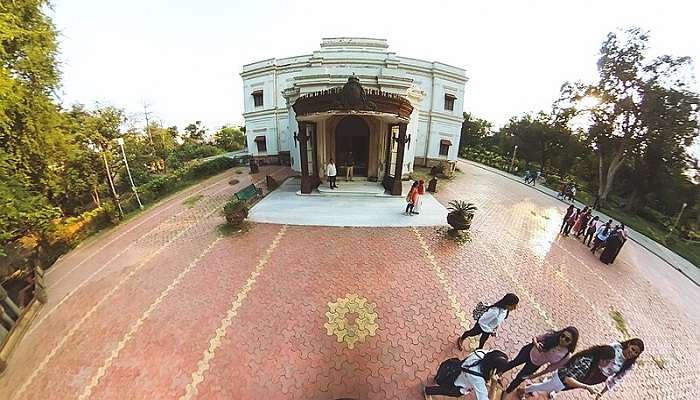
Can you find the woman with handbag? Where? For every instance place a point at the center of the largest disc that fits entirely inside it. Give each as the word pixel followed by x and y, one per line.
pixel 456 378
pixel 488 322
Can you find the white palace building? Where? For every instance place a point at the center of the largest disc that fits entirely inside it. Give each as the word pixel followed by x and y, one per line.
pixel 353 95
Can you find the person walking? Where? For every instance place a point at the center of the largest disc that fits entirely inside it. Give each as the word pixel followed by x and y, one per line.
pixel 572 197
pixel 553 348
pixel 332 173
pixel 574 373
pixel 488 322
pixel 474 373
pixel 593 226
pixel 612 246
pixel 419 200
pixel 567 215
pixel 349 166
pixel 601 235
pixel 527 176
pixel 411 198
pixel 562 190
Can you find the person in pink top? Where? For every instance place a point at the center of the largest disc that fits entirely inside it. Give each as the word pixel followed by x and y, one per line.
pixel 553 348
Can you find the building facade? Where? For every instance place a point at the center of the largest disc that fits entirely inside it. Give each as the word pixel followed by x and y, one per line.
pixel 355 99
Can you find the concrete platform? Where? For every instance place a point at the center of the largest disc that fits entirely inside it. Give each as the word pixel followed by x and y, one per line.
pixel 357 207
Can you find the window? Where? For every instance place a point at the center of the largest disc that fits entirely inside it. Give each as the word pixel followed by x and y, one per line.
pixel 445 147
pixel 258 98
pixel 449 102
pixel 262 144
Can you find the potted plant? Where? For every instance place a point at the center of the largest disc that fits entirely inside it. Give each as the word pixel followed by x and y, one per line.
pixel 235 212
pixel 460 216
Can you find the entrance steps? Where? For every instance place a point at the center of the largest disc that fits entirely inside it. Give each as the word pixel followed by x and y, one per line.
pixel 355 188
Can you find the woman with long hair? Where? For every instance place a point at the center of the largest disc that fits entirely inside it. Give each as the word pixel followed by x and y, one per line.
pixel 615 370
pixel 476 370
pixel 574 374
pixel 411 198
pixel 572 221
pixel 490 320
pixel 419 201
pixel 601 235
pixel 553 348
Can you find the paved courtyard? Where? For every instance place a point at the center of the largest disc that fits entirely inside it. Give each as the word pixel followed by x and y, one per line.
pixel 163 308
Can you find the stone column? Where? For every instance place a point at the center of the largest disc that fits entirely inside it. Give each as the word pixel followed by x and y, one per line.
pixel 314 154
pixel 398 172
pixel 302 138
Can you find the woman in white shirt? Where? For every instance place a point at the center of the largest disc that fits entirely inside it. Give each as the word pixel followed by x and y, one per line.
pixel 490 320
pixel 477 369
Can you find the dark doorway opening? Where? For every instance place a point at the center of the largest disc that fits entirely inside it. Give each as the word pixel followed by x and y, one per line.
pixel 352 135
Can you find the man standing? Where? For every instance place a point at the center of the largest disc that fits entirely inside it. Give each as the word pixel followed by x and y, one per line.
pixel 331 173
pixel 349 166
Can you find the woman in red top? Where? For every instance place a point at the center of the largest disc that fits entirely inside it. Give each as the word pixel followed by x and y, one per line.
pixel 419 201
pixel 411 198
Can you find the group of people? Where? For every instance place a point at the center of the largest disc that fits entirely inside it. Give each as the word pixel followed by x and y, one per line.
pixel 603 234
pixel 414 198
pixel 532 176
pixel 567 191
pixel 332 170
pixel 554 350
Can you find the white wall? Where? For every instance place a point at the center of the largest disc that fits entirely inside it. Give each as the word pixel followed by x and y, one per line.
pixel 376 67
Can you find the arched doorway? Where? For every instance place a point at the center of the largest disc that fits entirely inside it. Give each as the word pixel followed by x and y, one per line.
pixel 352 135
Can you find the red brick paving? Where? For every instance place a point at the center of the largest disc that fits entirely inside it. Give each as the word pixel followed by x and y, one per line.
pixel 277 346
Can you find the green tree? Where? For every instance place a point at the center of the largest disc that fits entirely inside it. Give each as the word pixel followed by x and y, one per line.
pixel 538 138
pixel 195 132
pixel 622 119
pixel 474 130
pixel 230 138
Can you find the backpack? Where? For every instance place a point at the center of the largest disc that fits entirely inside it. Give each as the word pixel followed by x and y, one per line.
pixel 479 310
pixel 449 370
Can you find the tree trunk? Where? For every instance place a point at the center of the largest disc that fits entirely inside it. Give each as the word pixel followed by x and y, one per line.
pixel 615 165
pixel 96 196
pixel 601 176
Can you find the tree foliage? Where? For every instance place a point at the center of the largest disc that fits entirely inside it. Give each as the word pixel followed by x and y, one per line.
pixel 230 138
pixel 53 161
pixel 638 101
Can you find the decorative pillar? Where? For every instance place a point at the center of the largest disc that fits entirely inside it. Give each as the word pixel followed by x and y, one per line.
pixel 302 138
pixel 316 179
pixel 398 172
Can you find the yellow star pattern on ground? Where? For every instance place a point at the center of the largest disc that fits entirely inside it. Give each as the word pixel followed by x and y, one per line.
pixel 351 332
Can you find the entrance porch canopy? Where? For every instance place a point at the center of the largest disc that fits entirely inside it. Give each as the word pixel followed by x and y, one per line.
pixel 352 99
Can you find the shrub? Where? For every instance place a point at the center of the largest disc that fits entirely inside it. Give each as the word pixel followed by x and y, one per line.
pixel 235 212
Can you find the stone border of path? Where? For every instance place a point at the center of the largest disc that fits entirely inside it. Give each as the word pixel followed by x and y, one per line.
pixel 680 264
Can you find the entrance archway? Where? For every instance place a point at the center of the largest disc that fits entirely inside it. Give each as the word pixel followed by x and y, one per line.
pixel 352 135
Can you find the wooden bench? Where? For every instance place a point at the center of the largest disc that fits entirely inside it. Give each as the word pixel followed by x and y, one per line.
pixel 247 193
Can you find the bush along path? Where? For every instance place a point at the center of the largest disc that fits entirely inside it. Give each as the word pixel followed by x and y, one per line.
pixel 64 234
pixel 685 267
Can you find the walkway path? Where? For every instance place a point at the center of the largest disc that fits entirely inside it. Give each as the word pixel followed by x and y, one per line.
pixel 163 308
pixel 674 260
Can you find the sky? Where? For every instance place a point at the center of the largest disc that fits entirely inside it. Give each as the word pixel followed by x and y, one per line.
pixel 183 58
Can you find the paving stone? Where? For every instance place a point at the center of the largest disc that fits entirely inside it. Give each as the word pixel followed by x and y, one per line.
pixel 417 288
